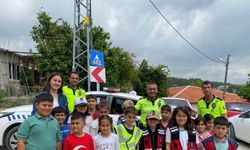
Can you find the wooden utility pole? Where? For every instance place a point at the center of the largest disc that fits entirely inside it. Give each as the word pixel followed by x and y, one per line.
pixel 225 79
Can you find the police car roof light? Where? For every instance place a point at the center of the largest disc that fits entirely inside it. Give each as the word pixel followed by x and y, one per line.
pixel 111 89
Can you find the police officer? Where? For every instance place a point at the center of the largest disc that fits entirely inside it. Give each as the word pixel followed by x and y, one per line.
pixel 72 91
pixel 211 104
pixel 150 102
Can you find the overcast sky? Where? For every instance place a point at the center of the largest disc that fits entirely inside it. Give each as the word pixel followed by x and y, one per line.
pixel 216 27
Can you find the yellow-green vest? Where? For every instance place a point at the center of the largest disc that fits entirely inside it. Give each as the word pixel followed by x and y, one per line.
pixel 128 141
pixel 216 107
pixel 144 105
pixel 72 94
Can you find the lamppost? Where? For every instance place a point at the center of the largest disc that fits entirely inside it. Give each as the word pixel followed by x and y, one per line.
pixel 225 79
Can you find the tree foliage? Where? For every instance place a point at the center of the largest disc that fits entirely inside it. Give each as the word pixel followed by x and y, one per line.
pixel 197 83
pixel 245 90
pixel 54 44
pixel 147 74
pixel 121 69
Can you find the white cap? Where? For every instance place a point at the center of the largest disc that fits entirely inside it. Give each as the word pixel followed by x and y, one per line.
pixel 80 101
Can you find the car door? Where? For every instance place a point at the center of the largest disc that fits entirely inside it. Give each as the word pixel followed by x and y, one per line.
pixel 242 126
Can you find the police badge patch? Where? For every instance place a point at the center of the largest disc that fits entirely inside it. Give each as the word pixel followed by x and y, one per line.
pixel 79 93
pixel 159 104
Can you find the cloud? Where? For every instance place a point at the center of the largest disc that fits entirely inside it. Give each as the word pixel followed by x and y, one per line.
pixel 217 28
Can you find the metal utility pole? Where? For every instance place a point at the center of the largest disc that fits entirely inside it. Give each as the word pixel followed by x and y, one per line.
pixel 225 79
pixel 82 20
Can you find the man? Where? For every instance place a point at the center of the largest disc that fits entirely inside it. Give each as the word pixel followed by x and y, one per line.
pixel 211 104
pixel 150 102
pixel 72 91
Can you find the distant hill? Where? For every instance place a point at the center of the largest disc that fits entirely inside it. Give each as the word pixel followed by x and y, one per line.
pixel 232 88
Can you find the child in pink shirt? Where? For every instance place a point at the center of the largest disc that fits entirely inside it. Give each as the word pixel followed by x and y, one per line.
pixel 201 130
pixel 209 122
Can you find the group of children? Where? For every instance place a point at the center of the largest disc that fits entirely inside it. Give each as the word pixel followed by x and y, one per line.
pixel 166 131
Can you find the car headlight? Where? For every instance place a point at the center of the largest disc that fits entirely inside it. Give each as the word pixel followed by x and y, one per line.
pixel 3 114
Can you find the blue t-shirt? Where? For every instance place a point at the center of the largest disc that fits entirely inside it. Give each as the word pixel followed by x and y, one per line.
pixel 64 131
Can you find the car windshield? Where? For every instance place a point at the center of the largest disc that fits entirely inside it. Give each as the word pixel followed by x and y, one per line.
pixel 238 107
pixel 176 103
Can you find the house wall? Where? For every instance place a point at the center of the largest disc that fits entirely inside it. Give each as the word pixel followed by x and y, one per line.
pixel 9 69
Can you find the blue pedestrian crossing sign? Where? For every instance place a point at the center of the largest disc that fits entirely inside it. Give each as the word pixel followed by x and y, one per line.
pixel 96 58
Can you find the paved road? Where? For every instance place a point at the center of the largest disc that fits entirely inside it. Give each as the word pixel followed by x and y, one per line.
pixel 243 146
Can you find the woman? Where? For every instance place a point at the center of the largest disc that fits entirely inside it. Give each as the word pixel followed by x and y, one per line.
pixel 54 85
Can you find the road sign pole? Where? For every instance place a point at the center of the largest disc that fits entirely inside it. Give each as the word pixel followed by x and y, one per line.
pixel 97 86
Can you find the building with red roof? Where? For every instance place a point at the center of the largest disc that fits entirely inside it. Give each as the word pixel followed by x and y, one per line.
pixel 193 94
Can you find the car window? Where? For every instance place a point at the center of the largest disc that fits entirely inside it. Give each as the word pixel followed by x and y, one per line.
pixel 176 103
pixel 194 106
pixel 237 107
pixel 101 98
pixel 247 114
pixel 116 105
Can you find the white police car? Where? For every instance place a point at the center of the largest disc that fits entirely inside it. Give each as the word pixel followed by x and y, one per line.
pixel 11 118
pixel 239 126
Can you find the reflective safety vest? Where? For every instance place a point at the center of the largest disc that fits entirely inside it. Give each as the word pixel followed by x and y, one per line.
pixel 145 105
pixel 216 107
pixel 128 141
pixel 175 139
pixel 208 144
pixel 72 94
pixel 159 140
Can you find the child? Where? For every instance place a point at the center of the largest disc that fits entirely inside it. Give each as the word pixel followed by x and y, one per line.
pixel 219 140
pixel 201 128
pixel 80 106
pixel 122 118
pixel 153 137
pixel 209 121
pixel 91 104
pixel 129 135
pixel 78 139
pixel 92 121
pixel 106 140
pixel 181 134
pixel 166 115
pixel 40 131
pixel 60 114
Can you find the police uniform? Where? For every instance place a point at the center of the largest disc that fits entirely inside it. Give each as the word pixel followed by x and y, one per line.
pixel 72 94
pixel 145 105
pixel 215 107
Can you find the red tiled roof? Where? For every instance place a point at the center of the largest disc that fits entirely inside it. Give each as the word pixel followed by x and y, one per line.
pixel 193 94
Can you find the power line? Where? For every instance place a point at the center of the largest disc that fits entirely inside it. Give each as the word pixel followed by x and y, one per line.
pixel 195 48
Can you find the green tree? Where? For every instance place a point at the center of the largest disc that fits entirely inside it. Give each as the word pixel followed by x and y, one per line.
pixel 158 75
pixel 54 44
pixel 197 83
pixel 245 90
pixel 120 66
